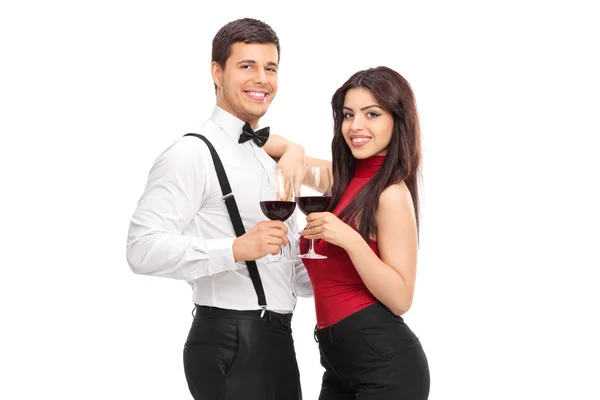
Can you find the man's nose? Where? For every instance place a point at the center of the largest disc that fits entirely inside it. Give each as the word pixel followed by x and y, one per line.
pixel 260 77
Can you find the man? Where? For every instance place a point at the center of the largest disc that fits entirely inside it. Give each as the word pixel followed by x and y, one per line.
pixel 183 228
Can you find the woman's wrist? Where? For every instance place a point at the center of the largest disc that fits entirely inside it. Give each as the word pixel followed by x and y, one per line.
pixel 353 242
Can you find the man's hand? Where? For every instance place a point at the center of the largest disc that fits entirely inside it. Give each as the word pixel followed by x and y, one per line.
pixel 264 238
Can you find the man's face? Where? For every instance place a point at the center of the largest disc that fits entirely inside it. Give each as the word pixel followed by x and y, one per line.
pixel 248 83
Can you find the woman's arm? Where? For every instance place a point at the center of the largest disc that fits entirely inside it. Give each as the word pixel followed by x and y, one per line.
pixel 390 277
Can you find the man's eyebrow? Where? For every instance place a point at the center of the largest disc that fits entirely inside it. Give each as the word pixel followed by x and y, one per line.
pixel 270 63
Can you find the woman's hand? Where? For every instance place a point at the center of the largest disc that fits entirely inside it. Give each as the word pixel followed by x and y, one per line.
pixel 325 225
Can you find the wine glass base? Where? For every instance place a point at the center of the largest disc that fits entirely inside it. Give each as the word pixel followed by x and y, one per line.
pixel 313 256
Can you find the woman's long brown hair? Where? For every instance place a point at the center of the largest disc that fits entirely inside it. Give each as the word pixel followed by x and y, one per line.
pixel 402 162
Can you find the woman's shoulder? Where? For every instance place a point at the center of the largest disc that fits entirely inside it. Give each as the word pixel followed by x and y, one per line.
pixel 395 194
pixel 395 206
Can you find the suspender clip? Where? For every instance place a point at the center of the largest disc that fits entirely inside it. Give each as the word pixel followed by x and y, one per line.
pixel 264 308
pixel 228 195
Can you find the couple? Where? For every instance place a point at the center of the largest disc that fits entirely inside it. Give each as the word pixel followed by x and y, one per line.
pixel 199 220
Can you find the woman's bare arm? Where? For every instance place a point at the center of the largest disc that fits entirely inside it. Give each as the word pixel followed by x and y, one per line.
pixel 391 276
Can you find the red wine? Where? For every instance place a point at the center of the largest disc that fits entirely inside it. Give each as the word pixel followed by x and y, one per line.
pixel 310 204
pixel 277 210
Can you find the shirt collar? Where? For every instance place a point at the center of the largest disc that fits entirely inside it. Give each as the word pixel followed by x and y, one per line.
pixel 227 122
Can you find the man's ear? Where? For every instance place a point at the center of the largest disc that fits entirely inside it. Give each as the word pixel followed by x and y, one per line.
pixel 217 73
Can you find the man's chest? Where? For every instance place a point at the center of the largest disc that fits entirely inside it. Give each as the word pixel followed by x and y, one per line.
pixel 244 167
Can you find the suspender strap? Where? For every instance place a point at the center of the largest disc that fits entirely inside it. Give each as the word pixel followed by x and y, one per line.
pixel 236 219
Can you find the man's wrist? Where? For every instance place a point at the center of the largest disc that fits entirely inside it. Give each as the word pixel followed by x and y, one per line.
pixel 235 250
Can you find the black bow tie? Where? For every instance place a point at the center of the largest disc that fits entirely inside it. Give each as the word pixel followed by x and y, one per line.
pixel 260 137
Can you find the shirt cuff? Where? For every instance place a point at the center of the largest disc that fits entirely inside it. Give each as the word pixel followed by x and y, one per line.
pixel 220 255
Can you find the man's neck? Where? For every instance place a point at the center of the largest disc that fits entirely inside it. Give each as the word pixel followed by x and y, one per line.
pixel 229 110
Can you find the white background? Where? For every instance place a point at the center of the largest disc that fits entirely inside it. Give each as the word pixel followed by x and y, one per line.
pixel 507 292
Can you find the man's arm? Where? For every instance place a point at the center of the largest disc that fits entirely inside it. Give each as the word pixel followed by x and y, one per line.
pixel 176 188
pixel 277 146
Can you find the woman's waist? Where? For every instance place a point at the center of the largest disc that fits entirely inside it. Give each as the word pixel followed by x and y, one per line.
pixel 333 306
pixel 373 314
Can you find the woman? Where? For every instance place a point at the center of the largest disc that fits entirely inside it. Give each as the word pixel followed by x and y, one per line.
pixel 370 238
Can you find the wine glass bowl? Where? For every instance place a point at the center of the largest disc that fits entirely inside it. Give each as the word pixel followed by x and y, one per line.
pixel 311 204
pixel 277 210
pixel 313 194
pixel 277 200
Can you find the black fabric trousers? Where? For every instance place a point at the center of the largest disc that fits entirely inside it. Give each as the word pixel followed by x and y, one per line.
pixel 372 355
pixel 239 355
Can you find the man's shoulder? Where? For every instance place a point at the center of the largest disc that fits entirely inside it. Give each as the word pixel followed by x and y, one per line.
pixel 191 143
pixel 186 148
pixel 211 131
pixel 192 147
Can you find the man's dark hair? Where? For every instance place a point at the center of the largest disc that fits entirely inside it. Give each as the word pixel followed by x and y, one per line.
pixel 246 30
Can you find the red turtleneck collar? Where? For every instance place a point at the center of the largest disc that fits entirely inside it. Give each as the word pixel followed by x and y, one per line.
pixel 368 167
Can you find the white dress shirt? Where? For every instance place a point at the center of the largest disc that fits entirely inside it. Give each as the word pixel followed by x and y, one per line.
pixel 181 228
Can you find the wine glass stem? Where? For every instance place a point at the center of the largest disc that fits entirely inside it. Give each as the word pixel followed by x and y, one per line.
pixel 311 249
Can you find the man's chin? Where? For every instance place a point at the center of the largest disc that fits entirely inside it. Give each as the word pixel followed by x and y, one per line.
pixel 253 112
pixel 258 113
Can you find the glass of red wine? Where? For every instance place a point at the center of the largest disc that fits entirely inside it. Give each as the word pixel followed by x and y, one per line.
pixel 277 200
pixel 313 194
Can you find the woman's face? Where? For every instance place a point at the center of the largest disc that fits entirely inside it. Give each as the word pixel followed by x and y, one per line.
pixel 367 127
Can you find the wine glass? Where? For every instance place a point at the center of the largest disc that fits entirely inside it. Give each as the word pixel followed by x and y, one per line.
pixel 313 194
pixel 277 200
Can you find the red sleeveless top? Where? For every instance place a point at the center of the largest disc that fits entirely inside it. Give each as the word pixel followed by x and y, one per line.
pixel 338 289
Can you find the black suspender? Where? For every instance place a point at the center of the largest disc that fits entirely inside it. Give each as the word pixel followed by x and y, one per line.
pixel 236 219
